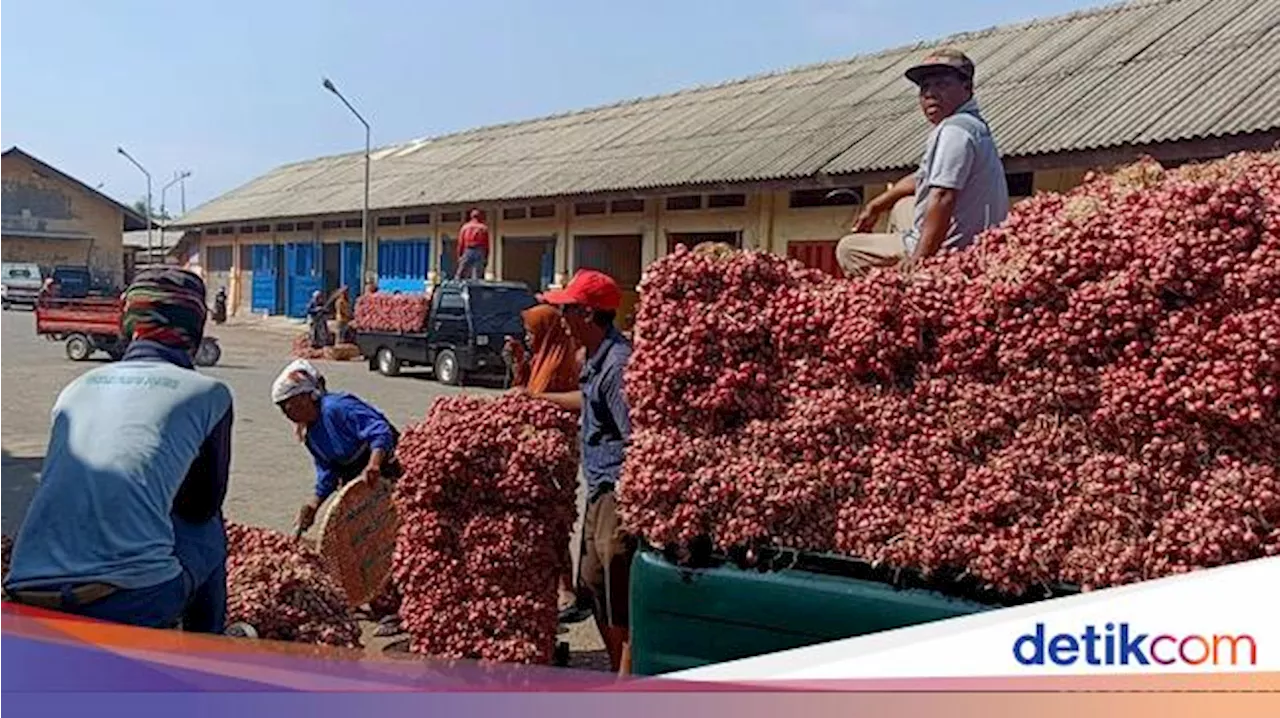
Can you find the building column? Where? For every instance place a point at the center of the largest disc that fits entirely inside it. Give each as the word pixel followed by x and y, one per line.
pixel 435 246
pixel 764 225
pixel 650 244
pixel 236 277
pixel 494 270
pixel 564 245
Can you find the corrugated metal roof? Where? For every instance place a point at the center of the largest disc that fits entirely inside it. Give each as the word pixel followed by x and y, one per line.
pixel 1142 72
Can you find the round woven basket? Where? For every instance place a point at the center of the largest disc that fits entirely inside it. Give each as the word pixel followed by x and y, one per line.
pixel 357 538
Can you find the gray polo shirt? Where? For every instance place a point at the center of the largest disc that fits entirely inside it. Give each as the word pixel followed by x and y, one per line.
pixel 961 155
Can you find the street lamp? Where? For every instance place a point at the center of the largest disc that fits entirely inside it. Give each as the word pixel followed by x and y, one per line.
pixel 364 215
pixel 144 171
pixel 164 222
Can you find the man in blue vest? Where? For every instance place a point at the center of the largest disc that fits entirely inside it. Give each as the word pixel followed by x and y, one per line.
pixel 126 524
pixel 589 303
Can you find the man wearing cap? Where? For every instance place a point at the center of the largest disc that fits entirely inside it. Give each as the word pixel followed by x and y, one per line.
pixel 473 247
pixel 959 187
pixel 590 303
pixel 126 524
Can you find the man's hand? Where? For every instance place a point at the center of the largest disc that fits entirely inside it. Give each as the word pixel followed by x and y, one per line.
pixel 307 515
pixel 868 217
pixel 882 203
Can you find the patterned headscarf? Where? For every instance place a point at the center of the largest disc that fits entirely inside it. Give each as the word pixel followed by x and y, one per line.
pixel 165 305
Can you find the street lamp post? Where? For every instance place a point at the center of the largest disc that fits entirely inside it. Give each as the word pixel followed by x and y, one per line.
pixel 164 222
pixel 364 215
pixel 148 175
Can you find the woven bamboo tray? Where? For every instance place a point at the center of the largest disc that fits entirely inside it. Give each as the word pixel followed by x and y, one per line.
pixel 357 538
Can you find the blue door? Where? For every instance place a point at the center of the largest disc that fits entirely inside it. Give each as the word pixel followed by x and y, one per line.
pixel 352 253
pixel 403 264
pixel 302 277
pixel 265 298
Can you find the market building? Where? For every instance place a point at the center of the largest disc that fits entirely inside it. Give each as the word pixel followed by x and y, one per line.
pixel 53 219
pixel 750 162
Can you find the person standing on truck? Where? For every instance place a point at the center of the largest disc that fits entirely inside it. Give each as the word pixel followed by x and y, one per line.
pixel 126 523
pixel 589 304
pixel 473 247
pixel 959 188
pixel 348 439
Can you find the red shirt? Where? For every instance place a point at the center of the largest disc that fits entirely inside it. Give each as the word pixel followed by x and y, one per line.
pixel 474 234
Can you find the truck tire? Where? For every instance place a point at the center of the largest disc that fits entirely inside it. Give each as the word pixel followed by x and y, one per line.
pixel 388 363
pixel 446 369
pixel 79 348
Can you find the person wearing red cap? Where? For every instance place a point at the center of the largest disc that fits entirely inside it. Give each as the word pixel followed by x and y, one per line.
pixel 959 188
pixel 473 247
pixel 589 304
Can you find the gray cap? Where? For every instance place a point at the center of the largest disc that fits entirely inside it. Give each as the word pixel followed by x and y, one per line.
pixel 942 58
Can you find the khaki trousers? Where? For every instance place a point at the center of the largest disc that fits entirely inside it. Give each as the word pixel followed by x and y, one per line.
pixel 859 253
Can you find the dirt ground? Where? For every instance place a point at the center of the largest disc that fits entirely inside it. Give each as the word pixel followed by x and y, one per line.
pixel 270 473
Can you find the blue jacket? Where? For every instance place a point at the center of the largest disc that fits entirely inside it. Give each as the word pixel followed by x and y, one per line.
pixel 346 430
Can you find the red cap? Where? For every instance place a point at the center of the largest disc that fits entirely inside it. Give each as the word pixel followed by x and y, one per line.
pixel 589 288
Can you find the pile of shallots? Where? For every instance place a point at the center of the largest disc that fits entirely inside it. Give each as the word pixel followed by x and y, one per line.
pixel 384 312
pixel 1089 396
pixel 282 588
pixel 486 504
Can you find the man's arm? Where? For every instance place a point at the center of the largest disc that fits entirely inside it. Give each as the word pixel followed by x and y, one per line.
pixel 611 388
pixel 205 486
pixel 937 222
pixel 884 202
pixel 948 174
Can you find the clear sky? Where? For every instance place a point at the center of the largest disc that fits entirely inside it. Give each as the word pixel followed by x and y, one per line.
pixel 231 88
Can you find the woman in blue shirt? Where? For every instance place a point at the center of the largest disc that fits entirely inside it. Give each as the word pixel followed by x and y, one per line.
pixel 347 438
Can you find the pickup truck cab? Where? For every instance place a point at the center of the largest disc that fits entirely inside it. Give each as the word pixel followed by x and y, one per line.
pixel 21 282
pixel 463 335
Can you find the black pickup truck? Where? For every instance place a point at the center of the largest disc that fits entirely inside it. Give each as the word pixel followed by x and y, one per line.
pixel 463 334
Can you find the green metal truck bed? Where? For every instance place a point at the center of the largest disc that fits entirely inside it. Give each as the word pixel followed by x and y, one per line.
pixel 684 617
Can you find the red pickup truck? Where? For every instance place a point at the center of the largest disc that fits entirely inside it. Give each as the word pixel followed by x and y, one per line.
pixel 92 324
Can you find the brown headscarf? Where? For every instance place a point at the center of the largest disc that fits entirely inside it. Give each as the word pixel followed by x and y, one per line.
pixel 553 367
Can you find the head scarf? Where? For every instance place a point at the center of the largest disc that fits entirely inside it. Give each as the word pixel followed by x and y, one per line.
pixel 165 305
pixel 300 377
pixel 553 365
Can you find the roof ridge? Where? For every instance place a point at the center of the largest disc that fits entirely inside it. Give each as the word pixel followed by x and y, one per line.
pixel 797 69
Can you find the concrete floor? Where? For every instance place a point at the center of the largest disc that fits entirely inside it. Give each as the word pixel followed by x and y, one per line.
pixel 270 473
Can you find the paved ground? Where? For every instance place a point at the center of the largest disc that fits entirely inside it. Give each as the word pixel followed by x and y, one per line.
pixel 270 473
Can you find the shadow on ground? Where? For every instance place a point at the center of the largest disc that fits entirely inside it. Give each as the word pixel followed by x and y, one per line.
pixel 21 474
